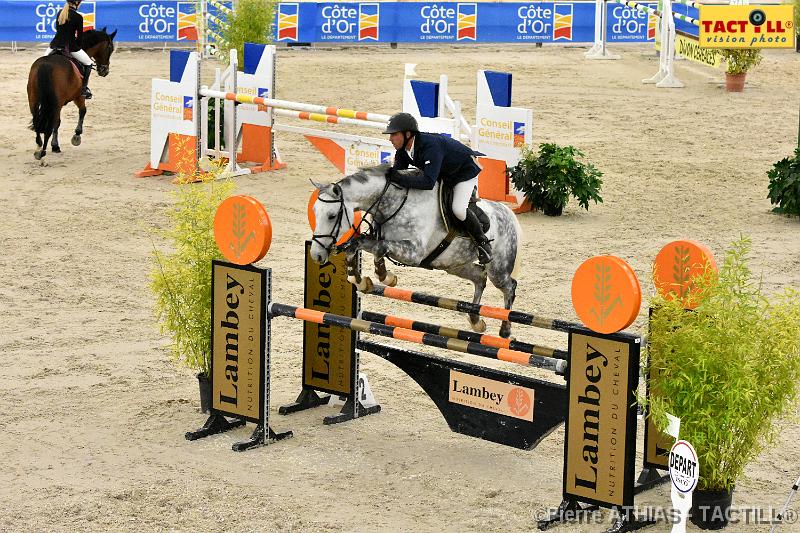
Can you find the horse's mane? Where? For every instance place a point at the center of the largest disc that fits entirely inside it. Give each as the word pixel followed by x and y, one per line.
pixel 92 38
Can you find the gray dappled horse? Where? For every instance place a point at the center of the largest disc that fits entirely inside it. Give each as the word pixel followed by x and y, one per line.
pixel 406 226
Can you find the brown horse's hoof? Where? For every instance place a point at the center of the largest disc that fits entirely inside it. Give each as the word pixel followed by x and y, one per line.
pixel 38 154
pixel 76 140
pixel 55 149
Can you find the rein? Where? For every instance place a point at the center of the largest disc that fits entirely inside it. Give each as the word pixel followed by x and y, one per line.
pixel 373 226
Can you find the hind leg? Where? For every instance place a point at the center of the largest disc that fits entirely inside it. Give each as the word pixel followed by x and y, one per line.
pixel 477 275
pixel 81 103
pixel 38 139
pixel 55 148
pixel 42 151
pixel 501 277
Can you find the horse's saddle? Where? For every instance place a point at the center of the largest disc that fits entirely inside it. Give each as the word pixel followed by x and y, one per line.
pixel 451 223
pixel 77 66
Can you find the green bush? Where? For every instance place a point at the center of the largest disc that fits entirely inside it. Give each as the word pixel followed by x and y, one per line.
pixel 728 369
pixel 784 185
pixel 251 22
pixel 181 279
pixel 740 60
pixel 549 177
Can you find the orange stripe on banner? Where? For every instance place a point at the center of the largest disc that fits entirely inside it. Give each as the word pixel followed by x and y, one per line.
pixel 494 312
pixel 399 322
pixel 309 315
pixel 408 335
pixel 495 342
pixel 513 356
pixel 397 294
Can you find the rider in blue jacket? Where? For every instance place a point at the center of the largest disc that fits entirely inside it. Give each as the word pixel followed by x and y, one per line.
pixel 438 158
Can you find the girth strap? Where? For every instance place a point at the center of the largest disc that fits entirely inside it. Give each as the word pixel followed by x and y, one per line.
pixel 439 250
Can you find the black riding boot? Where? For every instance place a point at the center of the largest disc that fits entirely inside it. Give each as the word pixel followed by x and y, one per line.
pixel 473 225
pixel 85 92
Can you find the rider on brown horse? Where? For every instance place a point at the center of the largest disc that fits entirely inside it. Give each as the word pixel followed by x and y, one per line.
pixel 54 81
pixel 69 30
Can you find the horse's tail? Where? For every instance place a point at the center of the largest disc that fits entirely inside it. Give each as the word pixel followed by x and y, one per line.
pixel 519 236
pixel 45 107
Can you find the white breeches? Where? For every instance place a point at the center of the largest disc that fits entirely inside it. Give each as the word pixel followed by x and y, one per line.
pixel 462 192
pixel 80 55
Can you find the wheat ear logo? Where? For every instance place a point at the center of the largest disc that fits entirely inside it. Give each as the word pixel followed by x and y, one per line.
pixel 681 268
pixel 239 222
pixel 602 293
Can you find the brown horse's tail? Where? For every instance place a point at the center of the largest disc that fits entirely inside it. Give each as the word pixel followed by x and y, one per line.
pixel 46 103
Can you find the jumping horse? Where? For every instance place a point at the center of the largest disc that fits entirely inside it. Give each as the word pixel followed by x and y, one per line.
pixel 53 82
pixel 405 226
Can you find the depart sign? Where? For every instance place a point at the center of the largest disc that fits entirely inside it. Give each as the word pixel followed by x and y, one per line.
pixel 730 26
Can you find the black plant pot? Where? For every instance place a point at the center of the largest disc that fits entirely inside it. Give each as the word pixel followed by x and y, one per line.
pixel 553 211
pixel 205 393
pixel 711 508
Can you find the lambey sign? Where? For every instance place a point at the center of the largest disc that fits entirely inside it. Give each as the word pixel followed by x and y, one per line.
pixel 601 421
pixel 238 315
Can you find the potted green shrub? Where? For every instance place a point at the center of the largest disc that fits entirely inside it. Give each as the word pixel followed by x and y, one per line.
pixel 181 278
pixel 738 61
pixel 784 185
pixel 728 369
pixel 548 178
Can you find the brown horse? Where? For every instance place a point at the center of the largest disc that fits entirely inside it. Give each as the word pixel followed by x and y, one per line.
pixel 54 82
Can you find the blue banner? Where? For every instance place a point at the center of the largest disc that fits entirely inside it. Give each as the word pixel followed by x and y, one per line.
pixel 346 22
pixel 456 22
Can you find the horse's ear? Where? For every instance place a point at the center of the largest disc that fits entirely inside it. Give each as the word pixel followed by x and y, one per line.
pixel 316 185
pixel 104 29
pixel 112 35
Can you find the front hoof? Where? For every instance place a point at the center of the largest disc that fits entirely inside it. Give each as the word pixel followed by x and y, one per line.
pixel 366 285
pixel 479 326
pixel 38 154
pixel 55 149
pixel 390 280
pixel 76 140
pixel 505 332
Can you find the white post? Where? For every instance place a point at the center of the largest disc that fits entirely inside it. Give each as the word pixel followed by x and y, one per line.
pixel 669 80
pixel 599 50
pixel 233 167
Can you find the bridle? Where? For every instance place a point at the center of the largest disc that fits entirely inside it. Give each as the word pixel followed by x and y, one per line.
pixel 373 226
pixel 340 216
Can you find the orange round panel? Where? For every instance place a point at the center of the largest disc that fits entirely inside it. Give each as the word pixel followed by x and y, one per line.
pixel 312 219
pixel 606 294
pixel 676 265
pixel 242 230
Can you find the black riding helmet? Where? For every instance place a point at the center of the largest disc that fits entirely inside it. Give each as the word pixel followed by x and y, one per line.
pixel 402 122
